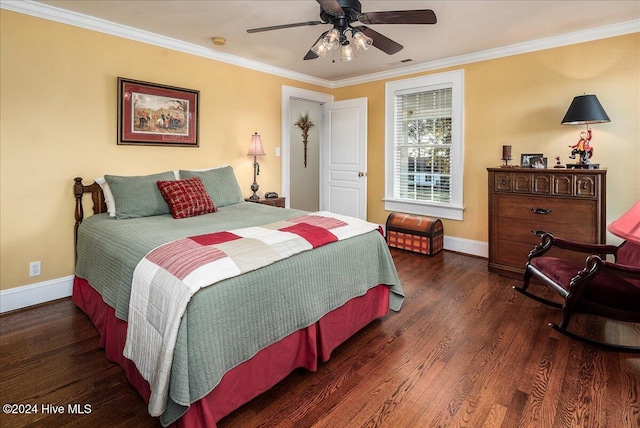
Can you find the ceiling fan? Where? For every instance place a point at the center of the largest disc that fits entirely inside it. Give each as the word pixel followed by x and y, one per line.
pixel 341 14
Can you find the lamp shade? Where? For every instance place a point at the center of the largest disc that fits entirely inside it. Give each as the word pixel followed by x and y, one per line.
pixel 255 147
pixel 585 109
pixel 628 225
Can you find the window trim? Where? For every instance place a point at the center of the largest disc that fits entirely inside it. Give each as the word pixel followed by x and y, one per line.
pixel 455 209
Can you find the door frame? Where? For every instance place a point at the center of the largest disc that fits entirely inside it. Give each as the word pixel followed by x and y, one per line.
pixel 289 93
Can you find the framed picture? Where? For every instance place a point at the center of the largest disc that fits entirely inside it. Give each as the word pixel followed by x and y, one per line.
pixel 527 160
pixel 150 114
pixel 537 162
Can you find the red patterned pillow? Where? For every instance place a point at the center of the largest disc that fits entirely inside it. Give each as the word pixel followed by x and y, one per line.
pixel 186 198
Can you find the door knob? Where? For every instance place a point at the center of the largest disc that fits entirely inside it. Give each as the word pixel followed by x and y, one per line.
pixel 361 174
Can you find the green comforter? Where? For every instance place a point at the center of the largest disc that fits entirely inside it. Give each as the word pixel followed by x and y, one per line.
pixel 227 323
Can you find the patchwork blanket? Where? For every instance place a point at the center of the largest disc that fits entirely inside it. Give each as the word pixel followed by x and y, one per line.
pixel 168 276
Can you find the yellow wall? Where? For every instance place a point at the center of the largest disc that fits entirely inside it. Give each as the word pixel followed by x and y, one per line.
pixel 520 101
pixel 58 120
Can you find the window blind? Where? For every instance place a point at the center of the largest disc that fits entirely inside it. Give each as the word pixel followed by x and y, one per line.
pixel 423 145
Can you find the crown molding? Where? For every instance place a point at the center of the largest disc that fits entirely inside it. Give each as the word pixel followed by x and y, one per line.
pixel 41 10
pixel 582 36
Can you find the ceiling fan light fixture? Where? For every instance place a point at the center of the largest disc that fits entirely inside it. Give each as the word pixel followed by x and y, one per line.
pixel 347 53
pixel 362 41
pixel 319 48
pixel 341 14
pixel 332 40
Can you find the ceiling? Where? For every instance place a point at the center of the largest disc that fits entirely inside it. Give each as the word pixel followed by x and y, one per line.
pixel 463 28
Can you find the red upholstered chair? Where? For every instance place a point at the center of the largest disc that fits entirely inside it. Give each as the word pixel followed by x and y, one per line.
pixel 609 289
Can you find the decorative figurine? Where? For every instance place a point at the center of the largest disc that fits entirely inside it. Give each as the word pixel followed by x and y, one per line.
pixel 558 164
pixel 582 148
pixel 304 123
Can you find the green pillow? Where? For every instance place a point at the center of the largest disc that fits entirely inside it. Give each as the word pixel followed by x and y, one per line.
pixel 221 185
pixel 139 196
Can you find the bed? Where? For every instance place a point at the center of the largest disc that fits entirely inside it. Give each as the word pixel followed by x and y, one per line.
pixel 238 336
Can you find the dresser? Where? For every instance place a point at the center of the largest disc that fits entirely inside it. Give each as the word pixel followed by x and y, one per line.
pixel 526 202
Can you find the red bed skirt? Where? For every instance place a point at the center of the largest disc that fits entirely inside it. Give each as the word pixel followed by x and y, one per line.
pixel 246 381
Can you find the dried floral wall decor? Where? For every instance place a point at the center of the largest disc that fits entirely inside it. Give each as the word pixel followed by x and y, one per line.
pixel 304 123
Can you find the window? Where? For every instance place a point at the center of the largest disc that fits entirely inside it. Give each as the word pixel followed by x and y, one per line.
pixel 424 145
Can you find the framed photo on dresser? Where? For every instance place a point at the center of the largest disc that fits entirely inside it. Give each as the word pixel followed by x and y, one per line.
pixel 528 160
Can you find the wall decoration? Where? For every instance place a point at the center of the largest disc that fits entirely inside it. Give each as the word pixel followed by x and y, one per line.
pixel 527 160
pixel 304 123
pixel 150 114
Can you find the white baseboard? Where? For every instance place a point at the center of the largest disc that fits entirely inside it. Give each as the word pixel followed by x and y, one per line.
pixel 466 246
pixel 33 294
pixel 41 292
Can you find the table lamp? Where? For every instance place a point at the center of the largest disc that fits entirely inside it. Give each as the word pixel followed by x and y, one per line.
pixel 584 110
pixel 255 149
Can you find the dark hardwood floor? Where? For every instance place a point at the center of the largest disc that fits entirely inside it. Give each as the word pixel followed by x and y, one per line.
pixel 466 350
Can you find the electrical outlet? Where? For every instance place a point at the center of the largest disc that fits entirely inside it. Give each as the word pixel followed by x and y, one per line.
pixel 34 268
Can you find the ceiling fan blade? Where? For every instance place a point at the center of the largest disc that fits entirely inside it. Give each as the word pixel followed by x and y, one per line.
pixel 381 42
pixel 311 54
pixel 426 16
pixel 331 7
pixel 280 27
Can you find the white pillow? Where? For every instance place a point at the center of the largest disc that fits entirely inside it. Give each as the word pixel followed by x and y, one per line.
pixel 108 196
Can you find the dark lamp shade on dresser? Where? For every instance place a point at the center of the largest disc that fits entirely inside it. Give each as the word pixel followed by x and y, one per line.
pixel 585 109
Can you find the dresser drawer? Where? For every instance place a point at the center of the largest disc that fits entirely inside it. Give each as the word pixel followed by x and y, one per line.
pixel 536 183
pixel 275 202
pixel 547 210
pixel 586 186
pixel 516 254
pixel 523 231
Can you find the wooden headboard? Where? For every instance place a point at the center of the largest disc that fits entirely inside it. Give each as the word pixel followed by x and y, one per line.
pixel 99 205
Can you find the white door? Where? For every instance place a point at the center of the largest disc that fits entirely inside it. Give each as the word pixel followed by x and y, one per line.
pixel 343 187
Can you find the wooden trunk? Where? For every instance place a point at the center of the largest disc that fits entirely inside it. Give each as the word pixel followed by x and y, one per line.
pixel 415 233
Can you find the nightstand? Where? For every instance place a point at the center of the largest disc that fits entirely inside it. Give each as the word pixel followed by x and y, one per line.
pixel 274 202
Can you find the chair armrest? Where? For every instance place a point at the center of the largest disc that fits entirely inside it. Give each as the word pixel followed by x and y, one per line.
pixel 583 247
pixel 626 271
pixel 548 241
pixel 595 266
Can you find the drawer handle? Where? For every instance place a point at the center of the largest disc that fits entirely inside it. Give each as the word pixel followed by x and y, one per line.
pixel 542 211
pixel 538 232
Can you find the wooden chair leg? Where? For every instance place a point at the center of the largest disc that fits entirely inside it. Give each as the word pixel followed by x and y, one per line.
pixel 527 278
pixel 523 290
